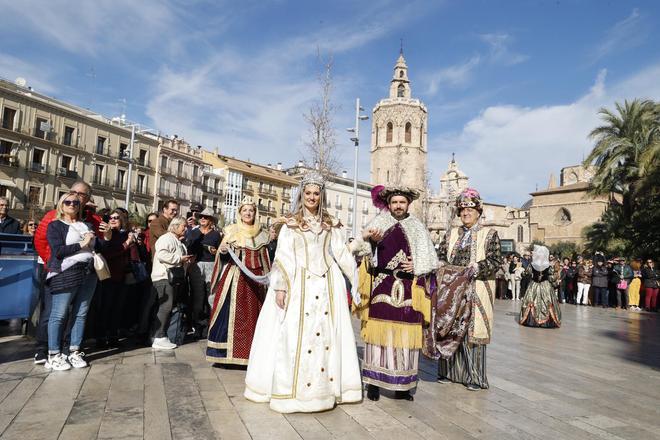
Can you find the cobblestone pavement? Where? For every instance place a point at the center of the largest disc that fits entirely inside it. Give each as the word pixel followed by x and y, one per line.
pixel 597 377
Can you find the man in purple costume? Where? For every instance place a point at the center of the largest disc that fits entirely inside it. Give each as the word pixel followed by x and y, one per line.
pixel 399 254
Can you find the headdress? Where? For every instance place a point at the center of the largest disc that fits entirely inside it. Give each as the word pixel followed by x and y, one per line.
pixel 387 192
pixel 469 198
pixel 540 256
pixel 247 200
pixel 312 178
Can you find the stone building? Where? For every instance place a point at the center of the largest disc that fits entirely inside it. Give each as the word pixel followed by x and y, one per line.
pixel 46 145
pixel 181 174
pixel 560 213
pixel 511 223
pixel 399 136
pixel 339 202
pixel 269 186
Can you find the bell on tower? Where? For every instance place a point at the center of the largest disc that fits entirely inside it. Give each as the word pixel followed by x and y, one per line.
pixel 400 87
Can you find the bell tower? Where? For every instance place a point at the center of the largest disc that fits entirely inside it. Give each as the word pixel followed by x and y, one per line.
pixel 399 135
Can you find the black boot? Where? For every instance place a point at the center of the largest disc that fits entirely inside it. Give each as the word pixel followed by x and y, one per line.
pixel 403 395
pixel 373 392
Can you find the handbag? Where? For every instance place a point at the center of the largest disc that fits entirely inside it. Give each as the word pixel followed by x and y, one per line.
pixel 139 271
pixel 101 266
pixel 176 276
pixel 622 285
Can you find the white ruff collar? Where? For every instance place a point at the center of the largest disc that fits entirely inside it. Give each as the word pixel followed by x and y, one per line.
pixel 425 258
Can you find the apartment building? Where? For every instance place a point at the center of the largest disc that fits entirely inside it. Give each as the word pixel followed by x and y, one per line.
pixel 180 173
pixel 269 186
pixel 46 145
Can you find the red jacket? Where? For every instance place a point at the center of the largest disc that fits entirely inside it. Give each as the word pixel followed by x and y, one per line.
pixel 40 240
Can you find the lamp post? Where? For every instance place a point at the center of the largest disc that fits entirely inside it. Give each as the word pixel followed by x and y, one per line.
pixel 356 140
pixel 130 160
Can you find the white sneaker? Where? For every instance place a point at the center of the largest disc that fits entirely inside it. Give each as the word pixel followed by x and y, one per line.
pixel 163 344
pixel 77 359
pixel 57 362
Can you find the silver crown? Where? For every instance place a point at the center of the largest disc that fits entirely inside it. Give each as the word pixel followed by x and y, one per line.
pixel 313 178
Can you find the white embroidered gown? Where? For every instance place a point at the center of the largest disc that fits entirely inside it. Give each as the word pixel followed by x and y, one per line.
pixel 304 358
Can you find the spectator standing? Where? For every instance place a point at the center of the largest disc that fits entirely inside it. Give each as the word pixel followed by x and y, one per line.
pixel 635 285
pixel 623 275
pixel 160 225
pixel 8 224
pixel 526 260
pixel 169 252
pixel 272 243
pixel 147 232
pixel 599 279
pixel 584 275
pixel 202 243
pixel 515 276
pixel 71 279
pixel 41 246
pixel 500 281
pixel 651 284
pixel 565 279
pixel 112 298
pixel 30 227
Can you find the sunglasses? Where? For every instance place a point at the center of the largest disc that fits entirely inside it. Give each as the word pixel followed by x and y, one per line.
pixel 33 224
pixel 72 202
pixel 114 217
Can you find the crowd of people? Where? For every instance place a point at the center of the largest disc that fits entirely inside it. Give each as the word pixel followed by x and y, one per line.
pixel 135 301
pixel 276 302
pixel 595 281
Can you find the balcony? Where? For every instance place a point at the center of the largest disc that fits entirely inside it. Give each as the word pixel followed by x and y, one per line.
pixel 65 172
pixel 248 190
pixel 142 161
pixel 181 195
pixel 120 185
pixel 142 191
pixel 183 174
pixel 38 168
pixel 197 178
pixel 165 192
pixel 365 210
pixel 9 160
pixel 286 195
pixel 100 181
pixel 105 151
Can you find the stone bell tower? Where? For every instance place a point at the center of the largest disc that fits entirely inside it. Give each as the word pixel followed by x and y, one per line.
pixel 399 135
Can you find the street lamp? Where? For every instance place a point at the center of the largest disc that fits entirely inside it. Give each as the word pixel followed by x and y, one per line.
pixel 130 161
pixel 356 140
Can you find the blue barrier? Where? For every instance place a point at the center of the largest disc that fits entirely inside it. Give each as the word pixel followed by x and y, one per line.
pixel 19 283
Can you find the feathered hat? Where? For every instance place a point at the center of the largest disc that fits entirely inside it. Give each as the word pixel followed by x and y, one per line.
pixel 381 195
pixel 469 198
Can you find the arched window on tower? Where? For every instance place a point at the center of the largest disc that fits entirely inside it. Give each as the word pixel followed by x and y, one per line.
pixel 390 130
pixel 520 234
pixel 388 176
pixel 376 134
pixel 421 135
pixel 562 217
pixel 400 91
pixel 408 132
pixel 400 73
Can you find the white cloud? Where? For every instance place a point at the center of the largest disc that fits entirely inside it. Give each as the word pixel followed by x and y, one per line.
pixel 625 34
pixel 453 76
pixel 499 44
pixel 37 77
pixel 507 149
pixel 92 27
pixel 251 105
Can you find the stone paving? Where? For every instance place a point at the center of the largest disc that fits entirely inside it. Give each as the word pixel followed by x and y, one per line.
pixel 597 377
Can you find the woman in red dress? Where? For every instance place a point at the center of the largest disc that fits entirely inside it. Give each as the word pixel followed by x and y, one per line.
pixel 236 285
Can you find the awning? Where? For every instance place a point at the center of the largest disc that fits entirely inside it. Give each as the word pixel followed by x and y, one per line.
pixel 8 183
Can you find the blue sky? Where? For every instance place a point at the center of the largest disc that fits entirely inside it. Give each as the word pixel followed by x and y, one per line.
pixel 512 87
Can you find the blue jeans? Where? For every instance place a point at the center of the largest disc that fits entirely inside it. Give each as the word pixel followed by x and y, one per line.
pixel 601 296
pixel 79 300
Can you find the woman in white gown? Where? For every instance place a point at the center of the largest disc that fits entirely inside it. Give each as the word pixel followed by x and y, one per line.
pixel 303 356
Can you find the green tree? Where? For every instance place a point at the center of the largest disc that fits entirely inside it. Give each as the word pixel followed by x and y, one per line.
pixel 626 151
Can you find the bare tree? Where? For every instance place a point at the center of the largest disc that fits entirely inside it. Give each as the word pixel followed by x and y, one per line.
pixel 321 144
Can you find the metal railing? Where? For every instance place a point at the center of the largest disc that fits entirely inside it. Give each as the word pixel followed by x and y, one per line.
pixel 38 167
